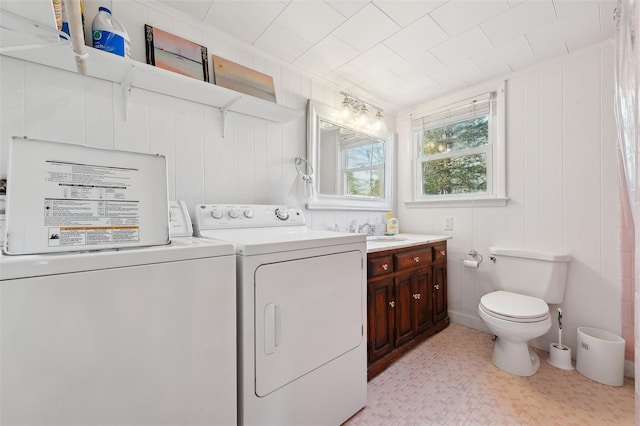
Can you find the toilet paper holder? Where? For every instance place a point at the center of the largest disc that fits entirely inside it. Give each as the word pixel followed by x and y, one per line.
pixel 475 255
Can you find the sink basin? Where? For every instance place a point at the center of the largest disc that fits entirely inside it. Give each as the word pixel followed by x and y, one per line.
pixel 387 238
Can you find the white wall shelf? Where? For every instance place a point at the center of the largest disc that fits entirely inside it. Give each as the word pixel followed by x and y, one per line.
pixel 129 73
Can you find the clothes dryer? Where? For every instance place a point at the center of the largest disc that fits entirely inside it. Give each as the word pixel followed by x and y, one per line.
pixel 301 314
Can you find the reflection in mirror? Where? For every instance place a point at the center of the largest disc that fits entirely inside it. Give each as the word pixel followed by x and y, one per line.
pixel 353 167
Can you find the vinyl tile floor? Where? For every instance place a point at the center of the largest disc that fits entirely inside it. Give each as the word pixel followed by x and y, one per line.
pixel 450 380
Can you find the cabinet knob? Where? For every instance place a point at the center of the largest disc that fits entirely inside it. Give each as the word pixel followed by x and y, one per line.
pixel 385 266
pixel 416 296
pixel 443 252
pixel 437 286
pixel 392 304
pixel 417 259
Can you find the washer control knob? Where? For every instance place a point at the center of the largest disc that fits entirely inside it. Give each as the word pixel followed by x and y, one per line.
pixel 282 214
pixel 233 213
pixel 216 213
pixel 248 213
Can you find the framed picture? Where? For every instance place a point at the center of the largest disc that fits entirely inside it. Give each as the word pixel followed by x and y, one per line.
pixel 173 53
pixel 242 79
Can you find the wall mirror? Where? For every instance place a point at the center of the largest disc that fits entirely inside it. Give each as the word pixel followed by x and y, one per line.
pixel 352 168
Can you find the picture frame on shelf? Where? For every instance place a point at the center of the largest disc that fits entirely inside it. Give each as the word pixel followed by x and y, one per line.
pixel 242 79
pixel 173 53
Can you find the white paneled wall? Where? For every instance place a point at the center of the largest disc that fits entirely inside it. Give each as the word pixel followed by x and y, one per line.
pixel 254 163
pixel 562 189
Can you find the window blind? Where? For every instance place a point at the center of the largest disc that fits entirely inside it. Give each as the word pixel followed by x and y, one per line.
pixel 468 109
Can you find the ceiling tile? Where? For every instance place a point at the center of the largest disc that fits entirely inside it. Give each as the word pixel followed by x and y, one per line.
pixel 282 43
pixel 461 46
pixel 415 92
pixel 406 12
pixel 244 20
pixel 416 38
pixel 419 66
pixel 380 57
pixel 197 9
pixel 505 58
pixel 456 17
pixel 366 28
pixel 584 29
pixel 460 72
pixel 347 75
pixel 572 32
pixel 331 53
pixel 568 8
pixel 348 8
pixel 310 20
pixel 386 80
pixel 518 20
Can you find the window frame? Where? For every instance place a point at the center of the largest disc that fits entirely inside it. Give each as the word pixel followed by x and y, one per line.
pixel 496 155
pixel 342 180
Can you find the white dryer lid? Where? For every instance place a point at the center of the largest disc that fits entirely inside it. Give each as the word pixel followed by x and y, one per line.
pixel 513 305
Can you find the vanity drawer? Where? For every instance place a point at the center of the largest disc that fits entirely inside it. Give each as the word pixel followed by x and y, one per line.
pixel 413 259
pixel 439 252
pixel 379 266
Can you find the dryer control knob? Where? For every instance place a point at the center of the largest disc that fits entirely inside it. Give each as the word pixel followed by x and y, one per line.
pixel 233 213
pixel 248 213
pixel 216 213
pixel 282 214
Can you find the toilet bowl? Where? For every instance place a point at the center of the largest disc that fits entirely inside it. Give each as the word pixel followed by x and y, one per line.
pixel 514 319
pixel 526 282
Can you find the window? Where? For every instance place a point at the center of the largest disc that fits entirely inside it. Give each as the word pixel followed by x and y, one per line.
pixel 362 171
pixel 459 150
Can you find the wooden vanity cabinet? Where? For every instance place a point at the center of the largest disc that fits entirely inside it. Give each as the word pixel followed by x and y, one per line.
pixel 406 301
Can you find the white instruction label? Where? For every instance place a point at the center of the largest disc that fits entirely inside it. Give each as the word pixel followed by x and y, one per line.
pixel 89 205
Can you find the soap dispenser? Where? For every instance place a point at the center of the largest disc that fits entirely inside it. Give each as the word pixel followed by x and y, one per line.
pixel 392 225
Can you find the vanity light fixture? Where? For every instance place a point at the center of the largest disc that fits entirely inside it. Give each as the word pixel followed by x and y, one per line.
pixel 355 113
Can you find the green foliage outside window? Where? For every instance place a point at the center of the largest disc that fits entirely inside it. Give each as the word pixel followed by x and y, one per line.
pixel 364 168
pixel 457 173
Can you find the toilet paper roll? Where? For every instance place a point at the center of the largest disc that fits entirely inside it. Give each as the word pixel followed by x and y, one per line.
pixel 471 263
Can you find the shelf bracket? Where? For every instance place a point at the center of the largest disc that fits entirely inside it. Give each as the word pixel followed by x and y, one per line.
pixel 223 114
pixel 125 86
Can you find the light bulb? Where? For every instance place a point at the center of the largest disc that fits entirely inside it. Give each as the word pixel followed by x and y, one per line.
pixel 379 121
pixel 362 115
pixel 346 109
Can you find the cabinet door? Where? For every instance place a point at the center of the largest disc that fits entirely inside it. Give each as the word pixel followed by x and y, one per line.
pixel 439 291
pixel 404 308
pixel 380 322
pixel 422 300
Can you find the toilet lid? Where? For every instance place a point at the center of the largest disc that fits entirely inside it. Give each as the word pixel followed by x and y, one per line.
pixel 514 307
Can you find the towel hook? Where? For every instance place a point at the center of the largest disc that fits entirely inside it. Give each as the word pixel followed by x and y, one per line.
pixel 307 177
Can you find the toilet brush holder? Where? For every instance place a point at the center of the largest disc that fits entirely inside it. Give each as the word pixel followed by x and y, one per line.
pixel 560 356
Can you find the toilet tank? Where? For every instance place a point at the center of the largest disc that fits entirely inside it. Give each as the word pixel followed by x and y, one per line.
pixel 534 273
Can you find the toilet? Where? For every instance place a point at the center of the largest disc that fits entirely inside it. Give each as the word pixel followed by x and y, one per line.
pixel 526 282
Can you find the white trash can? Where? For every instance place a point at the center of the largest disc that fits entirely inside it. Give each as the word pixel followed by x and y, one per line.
pixel 600 356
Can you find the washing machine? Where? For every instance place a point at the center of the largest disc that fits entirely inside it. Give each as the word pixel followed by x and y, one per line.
pixel 128 336
pixel 301 314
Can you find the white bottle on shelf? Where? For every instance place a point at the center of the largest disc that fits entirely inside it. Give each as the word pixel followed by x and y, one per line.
pixel 109 35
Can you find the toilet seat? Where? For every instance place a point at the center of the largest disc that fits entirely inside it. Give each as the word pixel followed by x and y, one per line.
pixel 514 307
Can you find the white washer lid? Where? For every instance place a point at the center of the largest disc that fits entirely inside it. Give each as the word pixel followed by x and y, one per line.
pixel 513 305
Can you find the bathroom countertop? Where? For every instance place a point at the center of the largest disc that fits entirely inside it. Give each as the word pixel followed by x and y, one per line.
pixel 382 242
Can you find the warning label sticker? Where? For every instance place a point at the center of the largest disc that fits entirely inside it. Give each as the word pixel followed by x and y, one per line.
pixel 89 205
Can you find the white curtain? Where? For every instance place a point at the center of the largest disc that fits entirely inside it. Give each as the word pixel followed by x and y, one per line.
pixel 627 79
pixel 627 108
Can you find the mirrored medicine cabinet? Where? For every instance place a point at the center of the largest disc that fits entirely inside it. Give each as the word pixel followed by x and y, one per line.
pixel 352 168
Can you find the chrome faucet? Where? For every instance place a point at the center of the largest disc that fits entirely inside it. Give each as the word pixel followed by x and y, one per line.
pixel 361 227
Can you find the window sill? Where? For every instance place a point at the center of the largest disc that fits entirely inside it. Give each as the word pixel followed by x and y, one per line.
pixel 460 202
